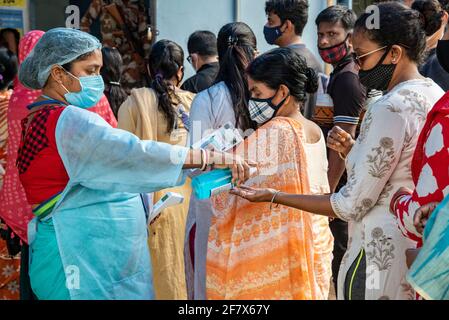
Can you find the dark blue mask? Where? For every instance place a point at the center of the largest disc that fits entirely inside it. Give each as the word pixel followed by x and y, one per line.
pixel 272 34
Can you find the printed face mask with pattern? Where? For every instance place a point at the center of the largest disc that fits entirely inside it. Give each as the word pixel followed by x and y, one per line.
pixel 263 110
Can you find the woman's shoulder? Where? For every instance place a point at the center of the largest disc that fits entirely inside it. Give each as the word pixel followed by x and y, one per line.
pixel 142 92
pixel 217 95
pixel 413 98
pixel 285 125
pixel 185 97
pixel 141 98
pixel 414 91
pixel 218 90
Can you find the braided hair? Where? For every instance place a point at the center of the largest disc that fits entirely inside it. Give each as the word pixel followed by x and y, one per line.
pixel 166 58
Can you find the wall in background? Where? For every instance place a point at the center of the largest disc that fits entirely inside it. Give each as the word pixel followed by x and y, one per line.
pixel 176 20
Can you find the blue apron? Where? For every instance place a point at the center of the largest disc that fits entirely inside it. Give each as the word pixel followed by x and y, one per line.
pixel 98 227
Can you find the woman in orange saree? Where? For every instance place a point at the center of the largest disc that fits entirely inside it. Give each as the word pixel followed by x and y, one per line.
pixel 257 251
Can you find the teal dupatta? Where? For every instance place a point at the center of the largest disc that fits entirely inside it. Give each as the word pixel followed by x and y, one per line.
pixel 429 274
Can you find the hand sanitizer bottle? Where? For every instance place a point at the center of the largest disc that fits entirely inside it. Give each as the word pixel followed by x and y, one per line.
pixel 211 183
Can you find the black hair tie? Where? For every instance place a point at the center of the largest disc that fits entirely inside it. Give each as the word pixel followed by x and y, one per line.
pixel 233 40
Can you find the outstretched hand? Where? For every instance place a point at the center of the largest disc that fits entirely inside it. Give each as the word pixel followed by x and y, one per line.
pixel 253 194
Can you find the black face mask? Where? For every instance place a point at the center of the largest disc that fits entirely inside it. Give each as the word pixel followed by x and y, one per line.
pixel 443 54
pixel 379 77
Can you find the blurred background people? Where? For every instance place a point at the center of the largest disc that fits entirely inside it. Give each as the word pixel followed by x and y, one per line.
pixel 203 57
pixel 124 25
pixel 161 113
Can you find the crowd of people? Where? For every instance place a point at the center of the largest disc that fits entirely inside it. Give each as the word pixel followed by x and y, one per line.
pixel 341 182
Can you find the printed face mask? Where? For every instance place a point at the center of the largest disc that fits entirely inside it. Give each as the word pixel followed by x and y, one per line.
pixel 263 110
pixel 334 54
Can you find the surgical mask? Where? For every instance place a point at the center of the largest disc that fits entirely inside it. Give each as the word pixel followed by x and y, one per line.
pixel 379 77
pixel 263 110
pixel 272 34
pixel 92 88
pixel 443 54
pixel 334 54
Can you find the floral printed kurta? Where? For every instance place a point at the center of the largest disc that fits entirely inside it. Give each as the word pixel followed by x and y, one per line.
pixel 377 166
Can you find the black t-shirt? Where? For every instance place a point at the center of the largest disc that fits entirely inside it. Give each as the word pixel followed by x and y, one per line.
pixel 347 93
pixel 432 69
pixel 204 78
pixel 349 97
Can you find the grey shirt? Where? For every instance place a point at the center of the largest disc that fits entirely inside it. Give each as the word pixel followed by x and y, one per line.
pixel 312 62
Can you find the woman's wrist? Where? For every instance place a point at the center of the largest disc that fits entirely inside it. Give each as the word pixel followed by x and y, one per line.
pixel 274 196
pixel 193 159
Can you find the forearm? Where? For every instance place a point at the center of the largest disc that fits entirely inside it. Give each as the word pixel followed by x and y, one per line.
pixel 317 204
pixel 197 159
pixel 335 170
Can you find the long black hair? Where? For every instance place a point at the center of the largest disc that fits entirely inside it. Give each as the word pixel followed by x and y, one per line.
pixel 237 47
pixel 399 25
pixel 112 73
pixel 166 58
pixel 285 66
pixel 8 68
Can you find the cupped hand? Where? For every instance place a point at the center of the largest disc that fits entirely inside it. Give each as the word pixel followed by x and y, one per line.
pixel 340 141
pixel 253 194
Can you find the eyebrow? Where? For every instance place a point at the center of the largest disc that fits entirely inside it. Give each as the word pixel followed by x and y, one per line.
pixel 96 65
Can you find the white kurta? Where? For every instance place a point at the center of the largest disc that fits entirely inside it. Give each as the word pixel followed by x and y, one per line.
pixel 377 166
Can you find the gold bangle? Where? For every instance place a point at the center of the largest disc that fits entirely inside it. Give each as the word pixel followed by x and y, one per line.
pixel 341 156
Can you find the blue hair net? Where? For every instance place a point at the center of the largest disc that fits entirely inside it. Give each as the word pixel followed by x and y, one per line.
pixel 56 47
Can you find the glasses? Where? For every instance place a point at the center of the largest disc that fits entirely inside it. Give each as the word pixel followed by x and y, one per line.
pixel 358 58
pixel 189 59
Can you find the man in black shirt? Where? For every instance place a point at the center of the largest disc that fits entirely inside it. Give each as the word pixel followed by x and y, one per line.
pixel 286 22
pixel 203 56
pixel 335 26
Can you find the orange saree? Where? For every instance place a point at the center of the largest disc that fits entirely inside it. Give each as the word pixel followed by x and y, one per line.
pixel 262 254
